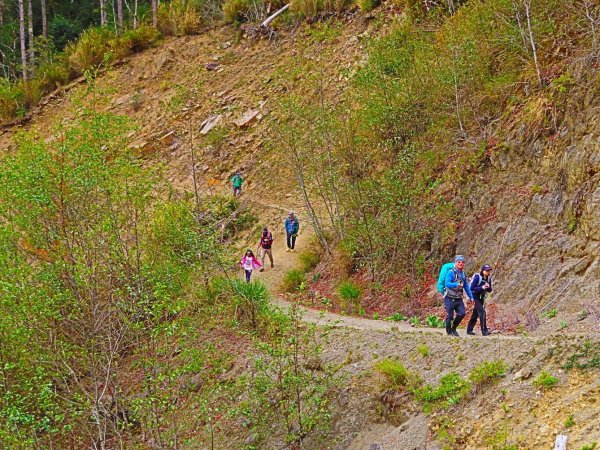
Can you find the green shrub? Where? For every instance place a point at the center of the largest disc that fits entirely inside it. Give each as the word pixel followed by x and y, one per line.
pixel 32 92
pixel 349 292
pixel 178 19
pixel 451 389
pixel 569 422
pixel 367 5
pixel 423 350
pixel 312 8
pixel 487 371
pixel 396 317
pixel 415 321
pixel 434 321
pixel 93 48
pixel 53 74
pixel 591 446
pixel 237 11
pixel 394 371
pixel 309 259
pixel 551 313
pixel 12 99
pixel 293 279
pixel 144 37
pixel 545 381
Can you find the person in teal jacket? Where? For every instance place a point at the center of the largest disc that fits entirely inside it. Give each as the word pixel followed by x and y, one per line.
pixel 236 182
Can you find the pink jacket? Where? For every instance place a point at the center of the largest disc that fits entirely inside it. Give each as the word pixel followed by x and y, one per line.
pixel 255 262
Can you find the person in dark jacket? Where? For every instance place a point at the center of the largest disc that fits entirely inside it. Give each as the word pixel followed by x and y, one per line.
pixel 292 227
pixel 481 284
pixel 455 285
pixel 265 244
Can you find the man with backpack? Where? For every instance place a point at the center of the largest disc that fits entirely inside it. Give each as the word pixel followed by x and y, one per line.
pixel 481 284
pixel 292 226
pixel 236 182
pixel 455 285
pixel 265 244
pixel 441 283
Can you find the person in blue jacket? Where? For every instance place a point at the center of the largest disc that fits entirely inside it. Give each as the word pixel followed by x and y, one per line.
pixel 292 227
pixel 456 284
pixel 481 284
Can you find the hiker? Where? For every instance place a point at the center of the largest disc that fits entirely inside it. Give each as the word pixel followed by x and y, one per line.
pixel 292 226
pixel 265 244
pixel 441 283
pixel 456 284
pixel 249 263
pixel 236 182
pixel 481 284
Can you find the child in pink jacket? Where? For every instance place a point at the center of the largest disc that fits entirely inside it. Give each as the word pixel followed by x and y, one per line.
pixel 248 263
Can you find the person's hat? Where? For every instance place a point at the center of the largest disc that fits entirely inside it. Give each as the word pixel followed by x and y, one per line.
pixel 458 258
pixel 291 213
pixel 486 267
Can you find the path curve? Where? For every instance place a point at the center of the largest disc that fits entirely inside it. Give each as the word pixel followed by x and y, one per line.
pixel 285 261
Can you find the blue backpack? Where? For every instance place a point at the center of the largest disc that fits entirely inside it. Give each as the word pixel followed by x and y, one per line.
pixel 441 283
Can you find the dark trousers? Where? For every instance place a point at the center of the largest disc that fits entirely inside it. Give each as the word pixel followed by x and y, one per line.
pixel 248 273
pixel 291 240
pixel 478 312
pixel 237 191
pixel 452 306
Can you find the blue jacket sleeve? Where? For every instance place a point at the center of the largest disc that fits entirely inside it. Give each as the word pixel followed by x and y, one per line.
pixel 450 280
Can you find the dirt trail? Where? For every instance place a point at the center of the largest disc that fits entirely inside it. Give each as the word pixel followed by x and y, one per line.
pixel 285 261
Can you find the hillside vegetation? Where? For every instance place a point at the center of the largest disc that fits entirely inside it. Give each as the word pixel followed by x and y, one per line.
pixel 402 133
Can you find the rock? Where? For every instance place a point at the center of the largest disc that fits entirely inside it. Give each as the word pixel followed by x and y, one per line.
pixel 163 61
pixel 375 447
pixel 250 116
pixel 122 100
pixel 522 374
pixel 251 439
pixel 210 123
pixel 212 66
pixel 168 139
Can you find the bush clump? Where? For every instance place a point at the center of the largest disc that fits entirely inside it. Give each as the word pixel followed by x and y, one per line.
pixel 367 5
pixel 178 19
pixel 293 280
pixel 545 381
pixel 394 371
pixel 451 389
pixel 236 11
pixel 487 371
pixel 349 292
pixel 309 259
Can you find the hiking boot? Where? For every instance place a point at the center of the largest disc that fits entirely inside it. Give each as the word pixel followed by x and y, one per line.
pixel 455 333
pixel 486 333
pixel 288 249
pixel 470 333
pixel 262 269
pixel 272 265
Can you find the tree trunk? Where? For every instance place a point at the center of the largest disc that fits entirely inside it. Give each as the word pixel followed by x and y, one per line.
pixel 1 12
pixel 120 14
pixel 22 39
pixel 30 32
pixel 102 12
pixel 532 41
pixel 154 13
pixel 44 18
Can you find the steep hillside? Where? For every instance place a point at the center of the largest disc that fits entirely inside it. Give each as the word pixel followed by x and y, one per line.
pixel 391 173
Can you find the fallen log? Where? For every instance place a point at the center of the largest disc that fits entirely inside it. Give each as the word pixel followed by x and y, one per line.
pixel 272 17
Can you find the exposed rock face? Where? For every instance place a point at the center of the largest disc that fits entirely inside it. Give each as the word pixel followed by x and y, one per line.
pixel 545 190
